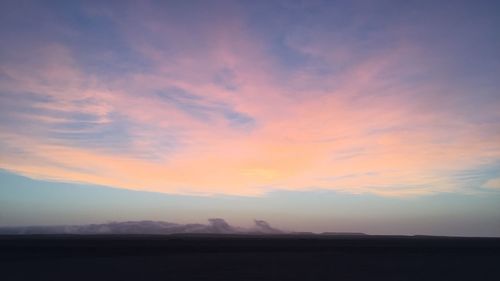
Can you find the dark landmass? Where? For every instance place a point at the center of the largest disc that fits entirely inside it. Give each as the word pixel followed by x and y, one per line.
pixel 247 257
pixel 214 226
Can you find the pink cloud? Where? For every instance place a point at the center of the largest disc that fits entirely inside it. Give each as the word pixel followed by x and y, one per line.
pixel 362 130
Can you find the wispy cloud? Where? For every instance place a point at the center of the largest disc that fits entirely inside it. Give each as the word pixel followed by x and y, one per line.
pixel 493 183
pixel 222 105
pixel 203 109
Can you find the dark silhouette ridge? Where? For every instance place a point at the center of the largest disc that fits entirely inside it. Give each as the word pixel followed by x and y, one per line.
pixel 214 226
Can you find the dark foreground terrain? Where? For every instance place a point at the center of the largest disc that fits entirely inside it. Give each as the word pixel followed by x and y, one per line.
pixel 206 257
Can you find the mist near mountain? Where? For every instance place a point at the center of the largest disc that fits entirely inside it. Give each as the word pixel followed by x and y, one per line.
pixel 214 226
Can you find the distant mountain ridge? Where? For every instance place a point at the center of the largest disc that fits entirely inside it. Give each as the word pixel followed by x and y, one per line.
pixel 344 233
pixel 214 226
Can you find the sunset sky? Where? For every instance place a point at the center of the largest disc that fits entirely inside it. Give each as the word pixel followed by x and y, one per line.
pixel 373 116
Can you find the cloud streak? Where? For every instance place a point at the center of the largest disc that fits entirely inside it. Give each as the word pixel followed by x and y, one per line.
pixel 219 105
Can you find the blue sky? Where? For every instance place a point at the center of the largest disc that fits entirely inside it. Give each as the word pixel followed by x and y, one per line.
pixel 30 202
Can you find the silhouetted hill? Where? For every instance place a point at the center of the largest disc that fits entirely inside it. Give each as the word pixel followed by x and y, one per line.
pixel 215 226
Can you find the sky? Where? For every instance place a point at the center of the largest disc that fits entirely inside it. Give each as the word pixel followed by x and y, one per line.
pixel 374 116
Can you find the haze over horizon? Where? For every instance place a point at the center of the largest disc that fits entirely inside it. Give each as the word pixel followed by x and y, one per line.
pixel 380 117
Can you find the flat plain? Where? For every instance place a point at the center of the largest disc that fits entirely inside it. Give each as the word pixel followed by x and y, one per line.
pixel 248 257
